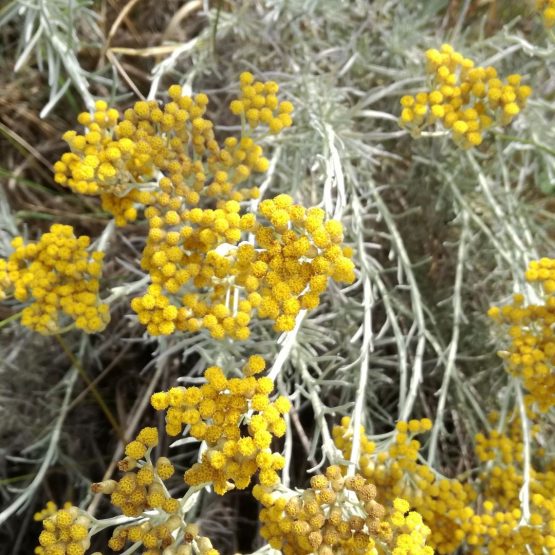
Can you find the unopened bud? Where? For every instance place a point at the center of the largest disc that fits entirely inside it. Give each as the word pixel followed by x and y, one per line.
pixel 127 464
pixel 107 487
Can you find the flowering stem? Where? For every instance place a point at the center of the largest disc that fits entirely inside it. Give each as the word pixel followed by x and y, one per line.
pixel 453 346
pixel 524 494
pixel 360 402
pixel 11 318
pixel 77 364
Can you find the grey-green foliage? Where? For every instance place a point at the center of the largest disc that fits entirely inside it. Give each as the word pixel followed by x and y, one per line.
pixel 51 34
pixel 438 233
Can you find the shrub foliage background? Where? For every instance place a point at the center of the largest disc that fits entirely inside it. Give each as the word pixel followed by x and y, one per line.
pixel 438 234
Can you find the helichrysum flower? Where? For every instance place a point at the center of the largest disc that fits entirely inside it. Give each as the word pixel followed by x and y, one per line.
pixel 499 525
pixel 339 514
pixel 65 531
pixel 547 8
pixel 120 157
pixel 141 492
pixel 55 276
pixel 166 160
pixel 530 342
pixel 205 278
pixel 464 98
pixel 158 538
pixel 141 486
pixel 397 472
pixel 236 419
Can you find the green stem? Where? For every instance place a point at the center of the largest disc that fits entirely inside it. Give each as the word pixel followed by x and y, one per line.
pixel 11 318
pixel 92 387
pixel 215 27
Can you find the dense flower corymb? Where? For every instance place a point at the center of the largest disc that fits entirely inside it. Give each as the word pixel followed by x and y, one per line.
pixel 464 98
pixel 339 515
pixel 213 263
pixel 397 472
pixel 205 279
pixel 65 531
pixel 530 349
pixel 236 419
pixel 59 276
pixel 547 7
pixel 141 486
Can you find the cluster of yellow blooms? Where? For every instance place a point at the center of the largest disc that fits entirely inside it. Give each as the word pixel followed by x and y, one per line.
pixel 141 487
pixel 547 8
pixel 466 99
pixel 485 517
pixel 59 275
pixel 339 515
pixel 167 159
pixel 397 473
pixel 144 490
pixel 258 103
pixel 236 420
pixel 502 526
pixel 159 539
pixel 530 353
pixel 65 531
pixel 284 270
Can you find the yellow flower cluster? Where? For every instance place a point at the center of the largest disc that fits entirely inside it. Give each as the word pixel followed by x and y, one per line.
pixel 547 8
pixel 59 275
pixel 396 473
pixel 340 516
pixel 163 156
pixel 466 99
pixel 65 531
pixel 162 538
pixel 530 353
pixel 285 270
pixel 195 543
pixel 499 527
pixel 219 413
pixel 49 509
pixel 258 103
pixel 142 485
pixel 155 538
pixel 499 530
pixel 204 274
pixel 506 447
pixel 488 521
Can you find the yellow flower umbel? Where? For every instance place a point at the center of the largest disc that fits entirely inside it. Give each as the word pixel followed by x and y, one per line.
pixel 258 104
pixel 142 485
pixel 59 276
pixel 205 275
pixel 530 350
pixel 204 278
pixel 141 492
pixel 236 419
pixel 396 472
pixel 463 98
pixel 501 526
pixel 65 531
pixel 166 156
pixel 339 515
pixel 159 539
pixel 547 7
